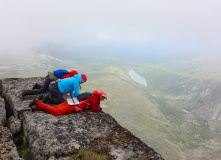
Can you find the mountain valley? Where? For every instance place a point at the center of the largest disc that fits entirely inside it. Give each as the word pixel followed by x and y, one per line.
pixel 178 113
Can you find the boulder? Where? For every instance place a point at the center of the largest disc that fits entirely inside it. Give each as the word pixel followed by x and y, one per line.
pixel 8 149
pixel 69 136
pixel 14 125
pixel 2 112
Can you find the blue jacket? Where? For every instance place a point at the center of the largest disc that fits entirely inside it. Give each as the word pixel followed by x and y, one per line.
pixel 70 85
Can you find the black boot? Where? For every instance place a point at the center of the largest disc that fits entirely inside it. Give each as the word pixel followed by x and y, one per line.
pixel 33 108
pixel 24 93
pixel 32 103
pixel 31 92
pixel 41 97
pixel 37 86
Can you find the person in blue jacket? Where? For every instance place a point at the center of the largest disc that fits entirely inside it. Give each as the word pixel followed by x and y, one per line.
pixel 63 86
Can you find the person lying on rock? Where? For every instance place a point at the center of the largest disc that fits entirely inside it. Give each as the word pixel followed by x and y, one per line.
pixel 64 86
pixel 92 103
pixel 52 76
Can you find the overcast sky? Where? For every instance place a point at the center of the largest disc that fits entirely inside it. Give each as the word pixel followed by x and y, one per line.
pixel 182 24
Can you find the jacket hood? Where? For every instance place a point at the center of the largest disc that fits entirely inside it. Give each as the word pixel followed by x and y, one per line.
pixel 96 93
pixel 73 72
pixel 78 77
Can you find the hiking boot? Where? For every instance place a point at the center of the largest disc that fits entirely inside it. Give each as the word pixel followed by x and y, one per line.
pixel 24 93
pixel 41 97
pixel 30 92
pixel 33 102
pixel 33 108
pixel 37 86
pixel 46 99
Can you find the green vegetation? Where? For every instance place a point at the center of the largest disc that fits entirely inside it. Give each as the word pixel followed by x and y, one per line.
pixel 189 133
pixel 193 134
pixel 155 156
pixel 86 154
pixel 172 113
pixel 163 87
pixel 118 137
pixel 24 150
pixel 203 131
pixel 144 158
pixel 8 149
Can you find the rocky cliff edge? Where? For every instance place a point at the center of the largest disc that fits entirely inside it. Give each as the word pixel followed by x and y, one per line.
pixel 84 135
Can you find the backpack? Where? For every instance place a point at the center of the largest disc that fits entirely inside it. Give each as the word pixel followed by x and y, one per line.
pixel 84 96
pixel 60 72
pixel 52 76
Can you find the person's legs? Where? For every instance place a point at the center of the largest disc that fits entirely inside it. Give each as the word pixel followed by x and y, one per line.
pixel 64 108
pixel 30 92
pixel 56 96
pixel 58 110
pixel 43 89
pixel 37 86
pixel 40 106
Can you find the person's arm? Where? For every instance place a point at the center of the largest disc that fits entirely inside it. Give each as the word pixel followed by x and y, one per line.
pixel 76 90
pixel 71 94
pixel 95 107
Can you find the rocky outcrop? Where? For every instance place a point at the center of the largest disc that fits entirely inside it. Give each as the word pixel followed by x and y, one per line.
pixel 71 136
pixel 7 146
pixel 2 112
pixel 8 149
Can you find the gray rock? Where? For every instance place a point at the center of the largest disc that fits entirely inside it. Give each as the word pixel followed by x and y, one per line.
pixel 2 112
pixel 14 125
pixel 7 147
pixel 62 137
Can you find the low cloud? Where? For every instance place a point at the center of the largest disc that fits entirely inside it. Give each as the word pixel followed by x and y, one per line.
pixel 26 24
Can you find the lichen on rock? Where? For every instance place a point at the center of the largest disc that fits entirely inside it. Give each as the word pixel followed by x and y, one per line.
pixel 71 134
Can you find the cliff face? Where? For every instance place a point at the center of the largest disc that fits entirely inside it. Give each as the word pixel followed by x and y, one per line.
pixel 71 136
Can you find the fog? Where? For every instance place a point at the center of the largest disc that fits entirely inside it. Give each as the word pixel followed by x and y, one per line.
pixel 147 26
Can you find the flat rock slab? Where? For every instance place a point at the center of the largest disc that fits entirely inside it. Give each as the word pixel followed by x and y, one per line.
pixel 62 137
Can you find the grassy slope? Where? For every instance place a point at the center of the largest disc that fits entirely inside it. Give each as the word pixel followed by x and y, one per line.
pixel 135 108
pixel 152 113
pixel 161 83
pixel 170 90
